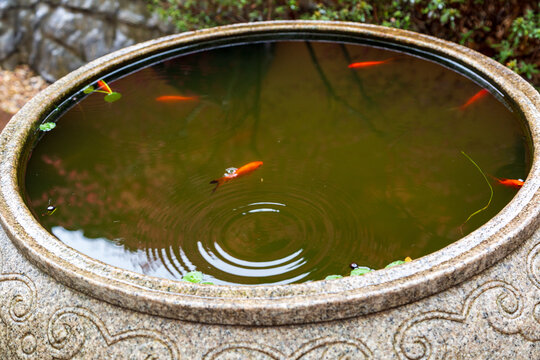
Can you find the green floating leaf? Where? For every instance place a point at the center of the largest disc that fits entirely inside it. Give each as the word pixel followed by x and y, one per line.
pixel 48 126
pixel 193 277
pixel 89 89
pixel 332 277
pixel 397 262
pixel 361 270
pixel 112 97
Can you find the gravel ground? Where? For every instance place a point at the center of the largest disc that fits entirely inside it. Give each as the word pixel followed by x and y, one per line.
pixel 16 88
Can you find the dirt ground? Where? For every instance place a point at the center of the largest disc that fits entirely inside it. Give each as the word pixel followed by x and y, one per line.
pixel 16 88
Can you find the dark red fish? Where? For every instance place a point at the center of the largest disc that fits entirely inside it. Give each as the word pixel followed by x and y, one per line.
pixel 482 93
pixel 363 64
pixel 176 98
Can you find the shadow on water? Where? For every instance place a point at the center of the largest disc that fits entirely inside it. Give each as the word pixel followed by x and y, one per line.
pixel 331 92
pixel 236 91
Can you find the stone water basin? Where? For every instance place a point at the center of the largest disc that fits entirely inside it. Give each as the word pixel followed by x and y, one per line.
pixel 478 297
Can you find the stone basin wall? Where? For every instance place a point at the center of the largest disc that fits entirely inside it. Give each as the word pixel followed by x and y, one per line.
pixel 57 36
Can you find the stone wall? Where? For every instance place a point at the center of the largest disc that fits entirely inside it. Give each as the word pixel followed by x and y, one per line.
pixel 57 36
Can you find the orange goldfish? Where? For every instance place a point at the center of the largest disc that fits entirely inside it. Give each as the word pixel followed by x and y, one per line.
pixel 474 99
pixel 176 98
pixel 515 183
pixel 363 64
pixel 232 173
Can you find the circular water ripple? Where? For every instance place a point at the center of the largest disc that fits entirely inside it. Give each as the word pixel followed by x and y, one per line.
pixel 260 236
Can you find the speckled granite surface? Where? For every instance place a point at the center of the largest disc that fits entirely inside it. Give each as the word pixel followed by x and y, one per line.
pixel 494 315
pixel 478 298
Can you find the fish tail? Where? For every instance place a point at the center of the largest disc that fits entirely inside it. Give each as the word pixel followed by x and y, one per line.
pixel 218 182
pixel 464 107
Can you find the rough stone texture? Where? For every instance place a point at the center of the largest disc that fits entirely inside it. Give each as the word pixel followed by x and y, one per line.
pixel 494 315
pixel 478 298
pixel 57 36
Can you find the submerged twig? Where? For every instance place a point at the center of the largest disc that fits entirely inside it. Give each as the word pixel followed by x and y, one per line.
pixel 487 181
pixel 256 109
pixel 332 93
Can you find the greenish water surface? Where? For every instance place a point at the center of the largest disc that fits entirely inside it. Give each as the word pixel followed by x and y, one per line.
pixel 360 165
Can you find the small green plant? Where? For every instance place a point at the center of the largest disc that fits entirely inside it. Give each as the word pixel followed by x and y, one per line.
pixel 111 96
pixel 524 27
pixel 332 277
pixel 522 68
pixel 505 51
pixel 394 263
pixel 48 126
pixel 487 181
pixel 397 15
pixel 523 35
pixel 439 9
pixel 195 277
pixel 361 270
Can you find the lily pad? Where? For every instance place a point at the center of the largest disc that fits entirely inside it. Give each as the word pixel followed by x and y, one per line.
pixel 397 262
pixel 361 270
pixel 88 89
pixel 112 97
pixel 193 277
pixel 48 126
pixel 332 277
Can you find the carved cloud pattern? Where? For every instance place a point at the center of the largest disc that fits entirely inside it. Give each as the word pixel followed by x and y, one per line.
pixel 507 310
pixel 69 329
pixel 326 348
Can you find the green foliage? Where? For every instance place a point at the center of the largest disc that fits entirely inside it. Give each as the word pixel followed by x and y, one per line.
pixel 469 22
pixel 505 49
pixel 522 68
pixel 439 9
pixel 48 126
pixel 397 15
pixel 353 10
pixel 524 31
pixel 524 27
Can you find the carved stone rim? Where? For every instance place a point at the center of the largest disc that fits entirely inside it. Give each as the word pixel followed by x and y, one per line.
pixel 276 304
